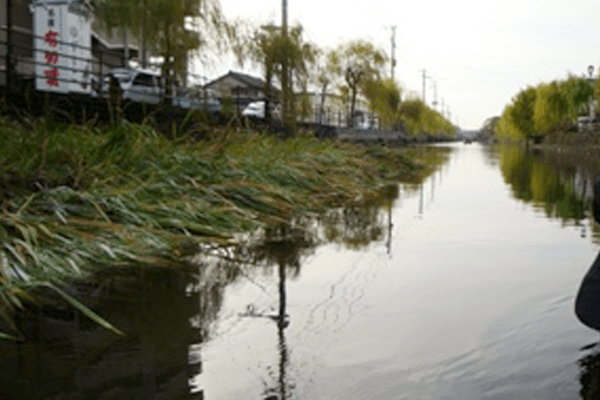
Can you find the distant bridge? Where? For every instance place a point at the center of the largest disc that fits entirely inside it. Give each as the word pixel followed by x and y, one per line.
pixel 472 135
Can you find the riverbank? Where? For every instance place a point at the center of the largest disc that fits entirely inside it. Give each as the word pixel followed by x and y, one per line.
pixel 75 199
pixel 585 145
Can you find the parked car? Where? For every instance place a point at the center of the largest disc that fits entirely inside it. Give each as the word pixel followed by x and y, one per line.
pixel 137 85
pixel 197 99
pixel 363 121
pixel 256 110
pixel 586 122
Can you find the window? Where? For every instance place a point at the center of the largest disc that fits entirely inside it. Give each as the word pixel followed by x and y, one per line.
pixel 144 80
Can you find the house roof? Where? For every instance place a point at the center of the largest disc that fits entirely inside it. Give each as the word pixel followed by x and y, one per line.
pixel 246 80
pixel 113 46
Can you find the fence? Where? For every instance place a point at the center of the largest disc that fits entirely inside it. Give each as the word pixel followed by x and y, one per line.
pixel 47 64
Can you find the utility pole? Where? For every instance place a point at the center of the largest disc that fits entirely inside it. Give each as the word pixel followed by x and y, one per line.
pixel 425 77
pixel 393 62
pixel 435 103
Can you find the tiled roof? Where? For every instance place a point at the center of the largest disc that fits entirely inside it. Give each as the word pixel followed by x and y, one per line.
pixel 247 80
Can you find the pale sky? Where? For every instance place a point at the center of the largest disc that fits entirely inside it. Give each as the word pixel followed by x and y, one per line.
pixel 478 53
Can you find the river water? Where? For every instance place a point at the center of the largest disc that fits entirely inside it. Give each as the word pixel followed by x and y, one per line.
pixel 458 287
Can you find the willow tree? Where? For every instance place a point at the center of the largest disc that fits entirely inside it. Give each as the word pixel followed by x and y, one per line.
pixel 269 48
pixel 551 107
pixel 523 110
pixel 302 60
pixel 360 62
pixel 488 129
pixel 384 99
pixel 420 118
pixel 579 93
pixel 172 29
pixel 506 127
pixel 327 70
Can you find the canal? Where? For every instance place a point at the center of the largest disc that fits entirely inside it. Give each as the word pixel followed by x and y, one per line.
pixel 458 287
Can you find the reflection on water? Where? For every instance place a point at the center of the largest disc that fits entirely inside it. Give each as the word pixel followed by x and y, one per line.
pixel 358 225
pixel 167 315
pixel 66 356
pixel 562 186
pixel 589 375
pixel 555 184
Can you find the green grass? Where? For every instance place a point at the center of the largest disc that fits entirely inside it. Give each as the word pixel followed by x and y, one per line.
pixel 76 198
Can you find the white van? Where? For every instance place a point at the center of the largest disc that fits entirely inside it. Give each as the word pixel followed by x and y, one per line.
pixel 197 99
pixel 256 110
pixel 140 86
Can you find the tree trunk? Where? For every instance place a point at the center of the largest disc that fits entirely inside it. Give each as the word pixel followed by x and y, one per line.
pixel 352 105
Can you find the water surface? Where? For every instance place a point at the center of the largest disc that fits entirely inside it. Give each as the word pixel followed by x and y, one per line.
pixel 459 287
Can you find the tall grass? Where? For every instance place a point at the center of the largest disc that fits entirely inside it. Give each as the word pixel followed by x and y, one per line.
pixel 78 198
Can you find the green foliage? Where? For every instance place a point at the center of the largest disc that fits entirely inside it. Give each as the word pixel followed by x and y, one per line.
pixel 489 127
pixel 534 178
pixel 384 99
pixel 327 72
pixel 506 128
pixel 418 119
pixel 75 198
pixel 545 108
pixel 578 92
pixel 360 63
pixel 551 107
pixel 173 29
pixel 597 90
pixel 268 47
pixel 522 111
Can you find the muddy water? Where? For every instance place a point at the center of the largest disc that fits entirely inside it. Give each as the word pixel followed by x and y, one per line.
pixel 459 287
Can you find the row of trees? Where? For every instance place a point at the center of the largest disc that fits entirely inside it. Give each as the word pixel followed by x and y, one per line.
pixel 177 29
pixel 548 107
pixel 351 70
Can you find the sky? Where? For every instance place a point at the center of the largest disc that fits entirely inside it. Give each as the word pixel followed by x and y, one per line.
pixel 477 54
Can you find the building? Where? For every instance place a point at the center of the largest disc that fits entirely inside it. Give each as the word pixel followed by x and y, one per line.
pixel 240 89
pixel 336 111
pixel 21 41
pixel 107 48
